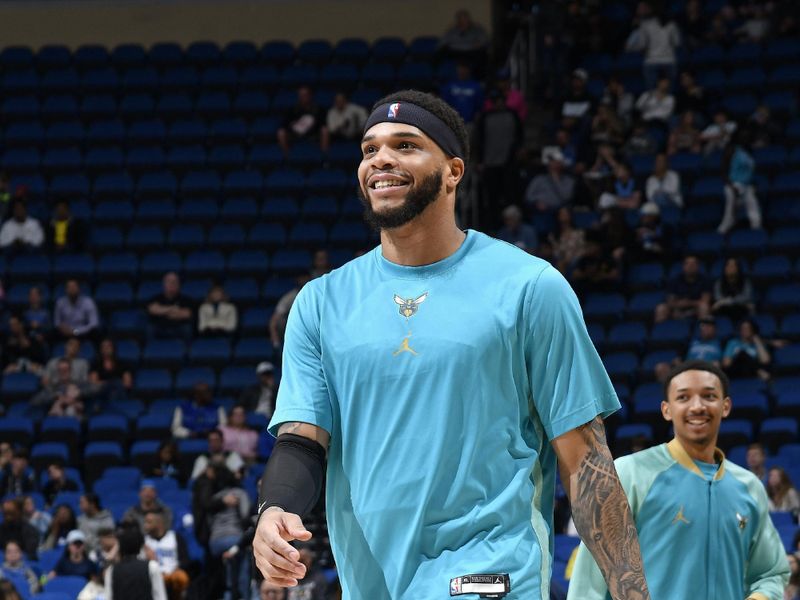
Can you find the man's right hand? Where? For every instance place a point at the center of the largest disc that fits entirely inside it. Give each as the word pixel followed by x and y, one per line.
pixel 278 561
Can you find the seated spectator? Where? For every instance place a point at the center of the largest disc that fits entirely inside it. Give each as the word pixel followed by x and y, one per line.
pixel 739 166
pixel 718 133
pixel 623 192
pixel 20 351
pixel 6 454
pixel 578 104
pixel 196 417
pixel 36 316
pixel 57 481
pixel 614 234
pixel 619 99
pixel 466 41
pixel 20 233
pixel 690 96
pixel 346 119
pixel 217 455
pixel 568 242
pixel 217 316
pixel 260 397
pixel 756 25
pixel 596 270
pixel 65 233
pixel 514 231
pixel 167 548
pixel 664 186
pixel 229 509
pixel 238 437
pixel 107 548
pixel 270 591
pixel 170 312
pixel 40 519
pixel 18 478
pixel 763 129
pixel 793 589
pixel 607 128
pixel 15 528
pixel 746 355
pixel 782 494
pixel 75 314
pixel 320 264
pixel 14 564
pixel 464 93
pixel 720 32
pixel 61 397
pixel 689 294
pixel 706 346
pixel 5 194
pixel 514 98
pixel 111 379
pixel 167 461
pixel 63 522
pixel 554 189
pixel 569 151
pixel 658 37
pixel 93 519
pixel 78 366
pixel 655 106
pixel 733 292
pixel 277 322
pixel 313 586
pixel 148 502
pixel 304 121
pixel 756 459
pixel 640 141
pixel 132 573
pixel 684 137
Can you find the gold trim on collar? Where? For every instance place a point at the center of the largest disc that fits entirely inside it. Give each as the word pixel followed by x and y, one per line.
pixel 678 452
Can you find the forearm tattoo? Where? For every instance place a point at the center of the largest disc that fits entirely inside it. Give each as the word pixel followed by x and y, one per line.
pixel 603 518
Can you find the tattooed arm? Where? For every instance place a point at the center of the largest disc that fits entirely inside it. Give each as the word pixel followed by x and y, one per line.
pixel 600 509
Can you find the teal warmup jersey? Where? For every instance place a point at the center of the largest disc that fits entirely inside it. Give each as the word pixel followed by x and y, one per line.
pixel 441 387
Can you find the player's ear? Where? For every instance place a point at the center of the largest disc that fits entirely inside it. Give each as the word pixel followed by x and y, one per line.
pixel 665 411
pixel 454 171
pixel 726 406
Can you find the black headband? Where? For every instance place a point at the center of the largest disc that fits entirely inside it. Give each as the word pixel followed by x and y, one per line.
pixel 427 122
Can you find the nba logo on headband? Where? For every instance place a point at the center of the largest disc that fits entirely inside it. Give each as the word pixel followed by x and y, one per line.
pixel 393 110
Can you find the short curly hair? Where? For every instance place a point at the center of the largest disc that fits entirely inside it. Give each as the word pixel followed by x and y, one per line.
pixel 435 106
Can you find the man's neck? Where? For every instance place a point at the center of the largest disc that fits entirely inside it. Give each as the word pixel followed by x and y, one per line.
pixel 702 452
pixel 424 241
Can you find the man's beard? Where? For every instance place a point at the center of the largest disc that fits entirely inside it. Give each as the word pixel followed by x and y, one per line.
pixel 416 201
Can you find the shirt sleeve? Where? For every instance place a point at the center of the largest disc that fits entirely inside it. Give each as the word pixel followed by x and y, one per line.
pixel 767 570
pixel 568 381
pixel 303 394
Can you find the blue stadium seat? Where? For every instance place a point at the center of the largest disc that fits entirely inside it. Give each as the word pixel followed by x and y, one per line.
pixel 113 186
pixel 204 262
pixel 785 240
pixel 621 366
pixel 378 74
pixel 57 160
pixel 188 131
pixel 259 77
pixel 252 350
pixel 74 266
pixel 201 184
pixel 127 323
pixel 782 297
pixel 734 432
pixel 98 106
pixel 30 267
pixel 164 352
pixel 604 307
pixel 152 426
pixel 155 211
pixel 53 56
pixel 184 236
pixel 264 129
pixel 349 234
pixel 24 134
pixel 188 377
pixel 627 336
pixel 236 379
pixel 101 455
pixel 60 429
pixel 152 382
pixel 103 159
pixel 787 359
pixel 254 321
pixel 669 334
pixel 215 352
pixel 351 51
pixel 778 431
pixel 277 52
pixel 212 104
pixel 243 183
pixel 315 51
pixel 771 269
pixel 155 264
pixel 240 52
pixel 389 49
pixel 70 585
pixel 44 453
pixel 202 53
pixel 109 132
pixel 16 430
pixel 243 291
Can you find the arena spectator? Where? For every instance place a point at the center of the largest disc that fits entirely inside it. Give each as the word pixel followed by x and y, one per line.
pixel 6 454
pixel 746 355
pixel 640 142
pixel 514 98
pixel 619 100
pixel 690 95
pixel 167 461
pixel 706 346
pixel 62 395
pixel 464 93
pixel 217 455
pixel 656 105
pixel 515 231
pixel 658 38
pixel 793 589
pixel 65 233
pixel 170 312
pixel 167 548
pixel 664 185
pixel 756 459
pixel 345 119
pixel 108 548
pixel 21 351
pixel 304 121
pixel 739 167
pixel 217 316
pixel 229 508
pixel 756 24
pixel 313 586
pixel 18 477
pixel 21 233
pixel 130 576
pixel 688 295
pixel 718 133
pixel 466 41
pixel 238 437
pixel 277 322
pixel 40 519
pixel 36 316
pixel 269 591
pixel 614 234
pixel 623 192
pixel 764 130
pixel 684 137
pixel 733 292
pixel 62 523
pixel 568 242
pixel 148 502
pixel 320 264
pixel 93 519
pixel 78 366
pixel 260 397
pixel 14 527
pixel 554 189
pixel 57 482
pixel 111 379
pixel 14 564
pixel 782 494
pixel 693 23
pixel 578 104
pixel 607 127
pixel 596 270
pixel 569 151
pixel 196 417
pixel 76 314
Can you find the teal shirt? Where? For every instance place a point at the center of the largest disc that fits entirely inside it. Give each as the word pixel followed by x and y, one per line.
pixel 441 387
pixel 704 532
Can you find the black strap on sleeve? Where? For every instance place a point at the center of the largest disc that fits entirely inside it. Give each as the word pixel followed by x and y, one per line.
pixel 294 474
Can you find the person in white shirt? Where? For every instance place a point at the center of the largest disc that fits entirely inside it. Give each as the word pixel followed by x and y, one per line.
pixel 658 39
pixel 717 135
pixel 657 104
pixel 217 315
pixel 345 120
pixel 169 550
pixel 21 232
pixel 664 186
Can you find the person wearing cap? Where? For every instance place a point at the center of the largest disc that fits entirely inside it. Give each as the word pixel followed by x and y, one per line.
pixel 260 397
pixel 437 378
pixel 75 560
pixel 705 345
pixel 553 189
pixel 578 104
pixel 703 521
pixel 148 502
pixel 652 239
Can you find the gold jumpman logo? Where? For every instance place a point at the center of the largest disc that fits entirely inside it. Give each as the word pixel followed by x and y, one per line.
pixel 404 347
pixel 679 518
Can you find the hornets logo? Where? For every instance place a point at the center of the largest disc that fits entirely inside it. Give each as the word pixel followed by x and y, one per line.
pixel 409 306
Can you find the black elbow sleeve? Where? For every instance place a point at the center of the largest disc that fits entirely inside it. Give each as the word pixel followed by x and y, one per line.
pixel 294 475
